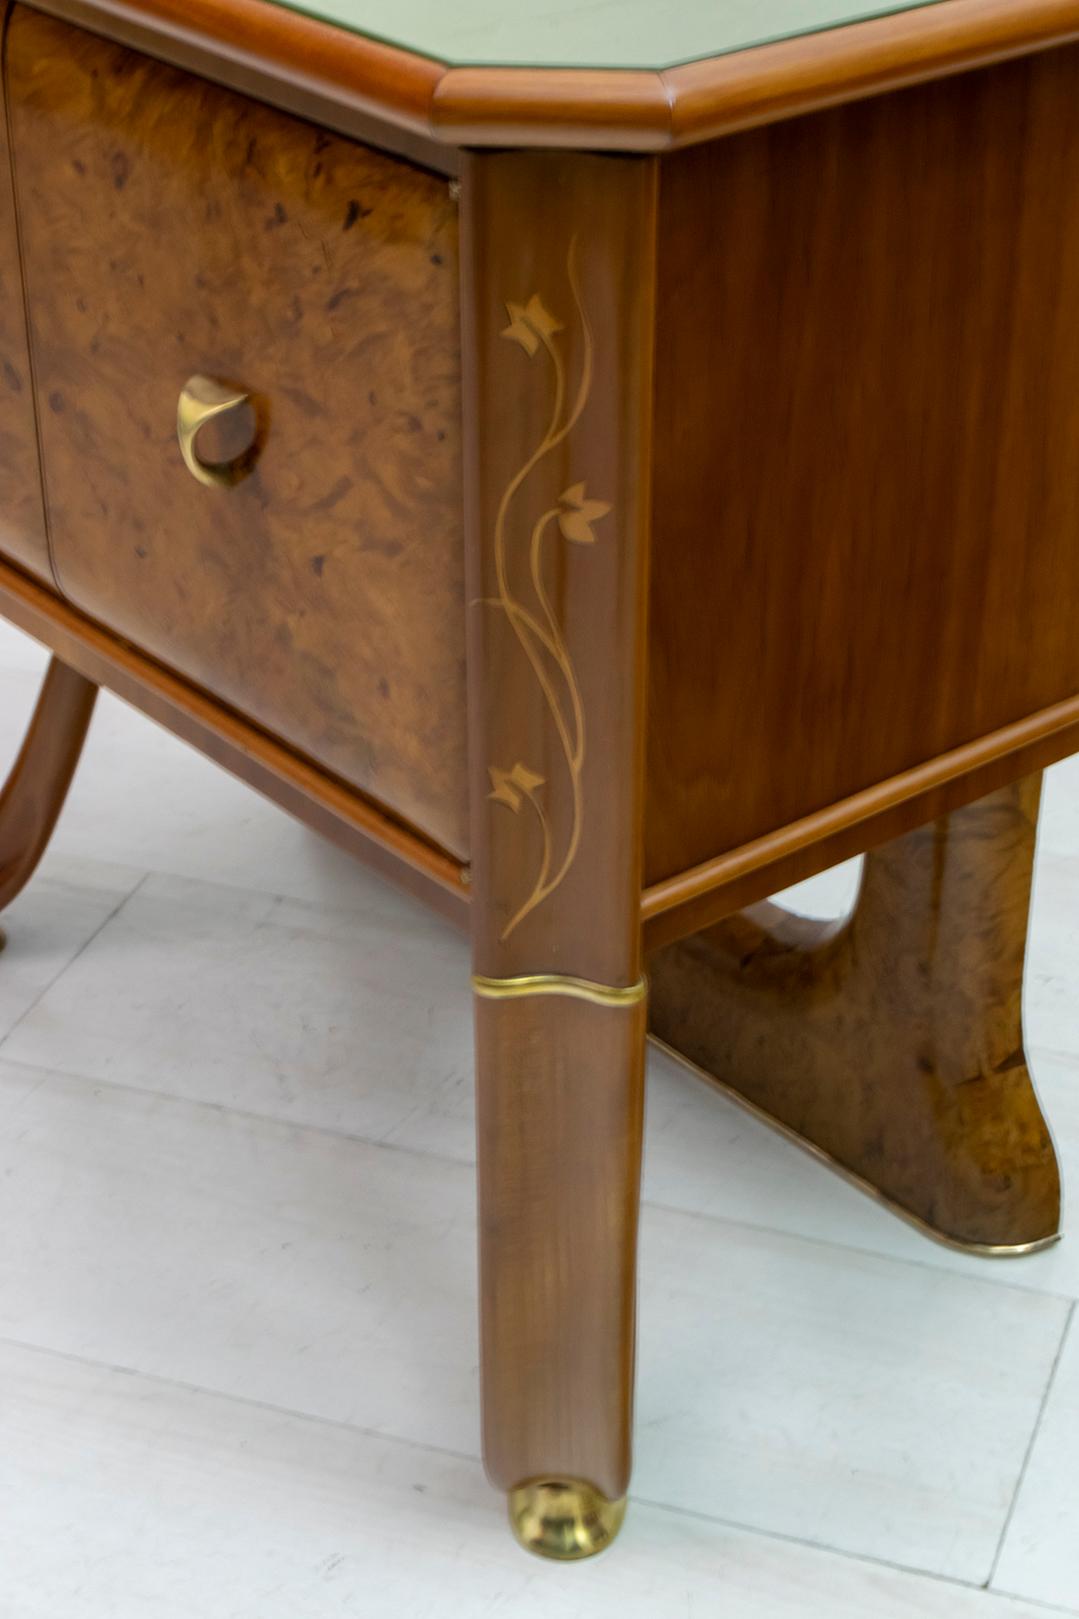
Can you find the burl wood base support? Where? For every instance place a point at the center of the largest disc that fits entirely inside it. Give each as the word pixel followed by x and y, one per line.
pixel 891 1042
pixel 34 793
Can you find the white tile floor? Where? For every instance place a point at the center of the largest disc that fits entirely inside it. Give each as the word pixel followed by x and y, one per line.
pixel 237 1283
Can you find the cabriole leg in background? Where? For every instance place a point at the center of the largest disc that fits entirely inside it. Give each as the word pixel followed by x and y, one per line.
pixel 892 1041
pixel 34 793
pixel 559 251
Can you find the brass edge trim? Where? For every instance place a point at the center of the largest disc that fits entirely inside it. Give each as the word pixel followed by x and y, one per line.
pixel 979 1250
pixel 579 989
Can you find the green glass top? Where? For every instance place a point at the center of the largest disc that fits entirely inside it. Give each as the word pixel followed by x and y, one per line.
pixel 589 33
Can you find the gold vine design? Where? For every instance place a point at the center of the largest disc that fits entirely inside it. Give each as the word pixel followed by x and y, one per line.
pixel 534 624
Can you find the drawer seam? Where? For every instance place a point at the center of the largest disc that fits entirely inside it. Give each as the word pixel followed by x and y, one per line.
pixel 54 571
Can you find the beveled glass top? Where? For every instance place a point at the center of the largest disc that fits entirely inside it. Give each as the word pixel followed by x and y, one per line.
pixel 649 34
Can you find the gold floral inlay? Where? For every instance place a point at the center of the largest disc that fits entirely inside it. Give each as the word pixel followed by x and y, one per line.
pixel 534 621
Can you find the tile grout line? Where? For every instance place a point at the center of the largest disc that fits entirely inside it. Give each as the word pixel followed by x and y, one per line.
pixel 55 979
pixel 276 1121
pixel 472 1459
pixel 1043 1406
pixel 910 1570
pixel 244 1400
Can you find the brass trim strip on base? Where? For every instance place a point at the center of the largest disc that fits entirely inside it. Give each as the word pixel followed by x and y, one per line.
pixel 581 989
pixel 980 1250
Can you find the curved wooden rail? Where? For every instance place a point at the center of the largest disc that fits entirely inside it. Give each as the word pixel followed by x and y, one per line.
pixel 34 793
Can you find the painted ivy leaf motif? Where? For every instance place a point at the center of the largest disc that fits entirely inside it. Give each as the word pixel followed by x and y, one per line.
pixel 509 786
pixel 530 324
pixel 577 514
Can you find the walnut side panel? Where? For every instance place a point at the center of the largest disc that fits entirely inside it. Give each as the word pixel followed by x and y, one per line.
pixel 866 513
pixel 173 228
pixel 22 516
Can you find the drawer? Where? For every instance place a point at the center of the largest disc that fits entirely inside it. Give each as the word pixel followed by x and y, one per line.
pixel 22 519
pixel 173 229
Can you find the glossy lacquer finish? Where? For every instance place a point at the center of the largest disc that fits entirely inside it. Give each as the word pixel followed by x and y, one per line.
pixel 22 516
pixel 867 427
pixel 893 1040
pixel 34 793
pixel 172 229
pixel 415 104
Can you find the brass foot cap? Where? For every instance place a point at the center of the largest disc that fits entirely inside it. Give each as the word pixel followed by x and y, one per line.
pixel 564 1518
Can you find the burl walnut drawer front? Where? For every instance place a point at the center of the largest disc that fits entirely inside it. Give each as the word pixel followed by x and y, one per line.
pixel 173 229
pixel 22 519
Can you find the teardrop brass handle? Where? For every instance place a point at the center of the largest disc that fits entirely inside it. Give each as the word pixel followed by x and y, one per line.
pixel 201 400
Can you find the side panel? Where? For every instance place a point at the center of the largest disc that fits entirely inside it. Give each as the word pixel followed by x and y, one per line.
pixel 866 509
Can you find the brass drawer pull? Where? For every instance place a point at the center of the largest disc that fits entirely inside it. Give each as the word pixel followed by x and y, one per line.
pixel 201 400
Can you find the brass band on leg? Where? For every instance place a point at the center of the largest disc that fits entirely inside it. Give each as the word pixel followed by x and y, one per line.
pixel 565 1519
pixel 580 989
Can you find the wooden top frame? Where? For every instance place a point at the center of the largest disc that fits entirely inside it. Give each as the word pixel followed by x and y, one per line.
pixel 357 84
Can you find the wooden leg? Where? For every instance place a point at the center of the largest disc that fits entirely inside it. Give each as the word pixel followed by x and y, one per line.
pixel 892 1042
pixel 560 1111
pixel 34 792
pixel 558 290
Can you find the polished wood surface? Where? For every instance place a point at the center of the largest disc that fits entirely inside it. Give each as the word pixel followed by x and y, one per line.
pixel 559 418
pixel 34 792
pixel 560 1088
pixel 864 510
pixel 355 84
pixel 262 760
pixel 171 228
pixel 797 76
pixel 690 900
pixel 892 1040
pixel 559 281
pixel 22 516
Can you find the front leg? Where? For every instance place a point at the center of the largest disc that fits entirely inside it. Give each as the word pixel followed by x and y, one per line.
pixel 34 792
pixel 559 299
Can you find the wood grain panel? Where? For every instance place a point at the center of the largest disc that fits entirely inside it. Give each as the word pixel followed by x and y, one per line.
pixel 326 805
pixel 866 514
pixel 22 516
pixel 172 228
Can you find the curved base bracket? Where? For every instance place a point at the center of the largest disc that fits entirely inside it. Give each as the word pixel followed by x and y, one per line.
pixel 891 1043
